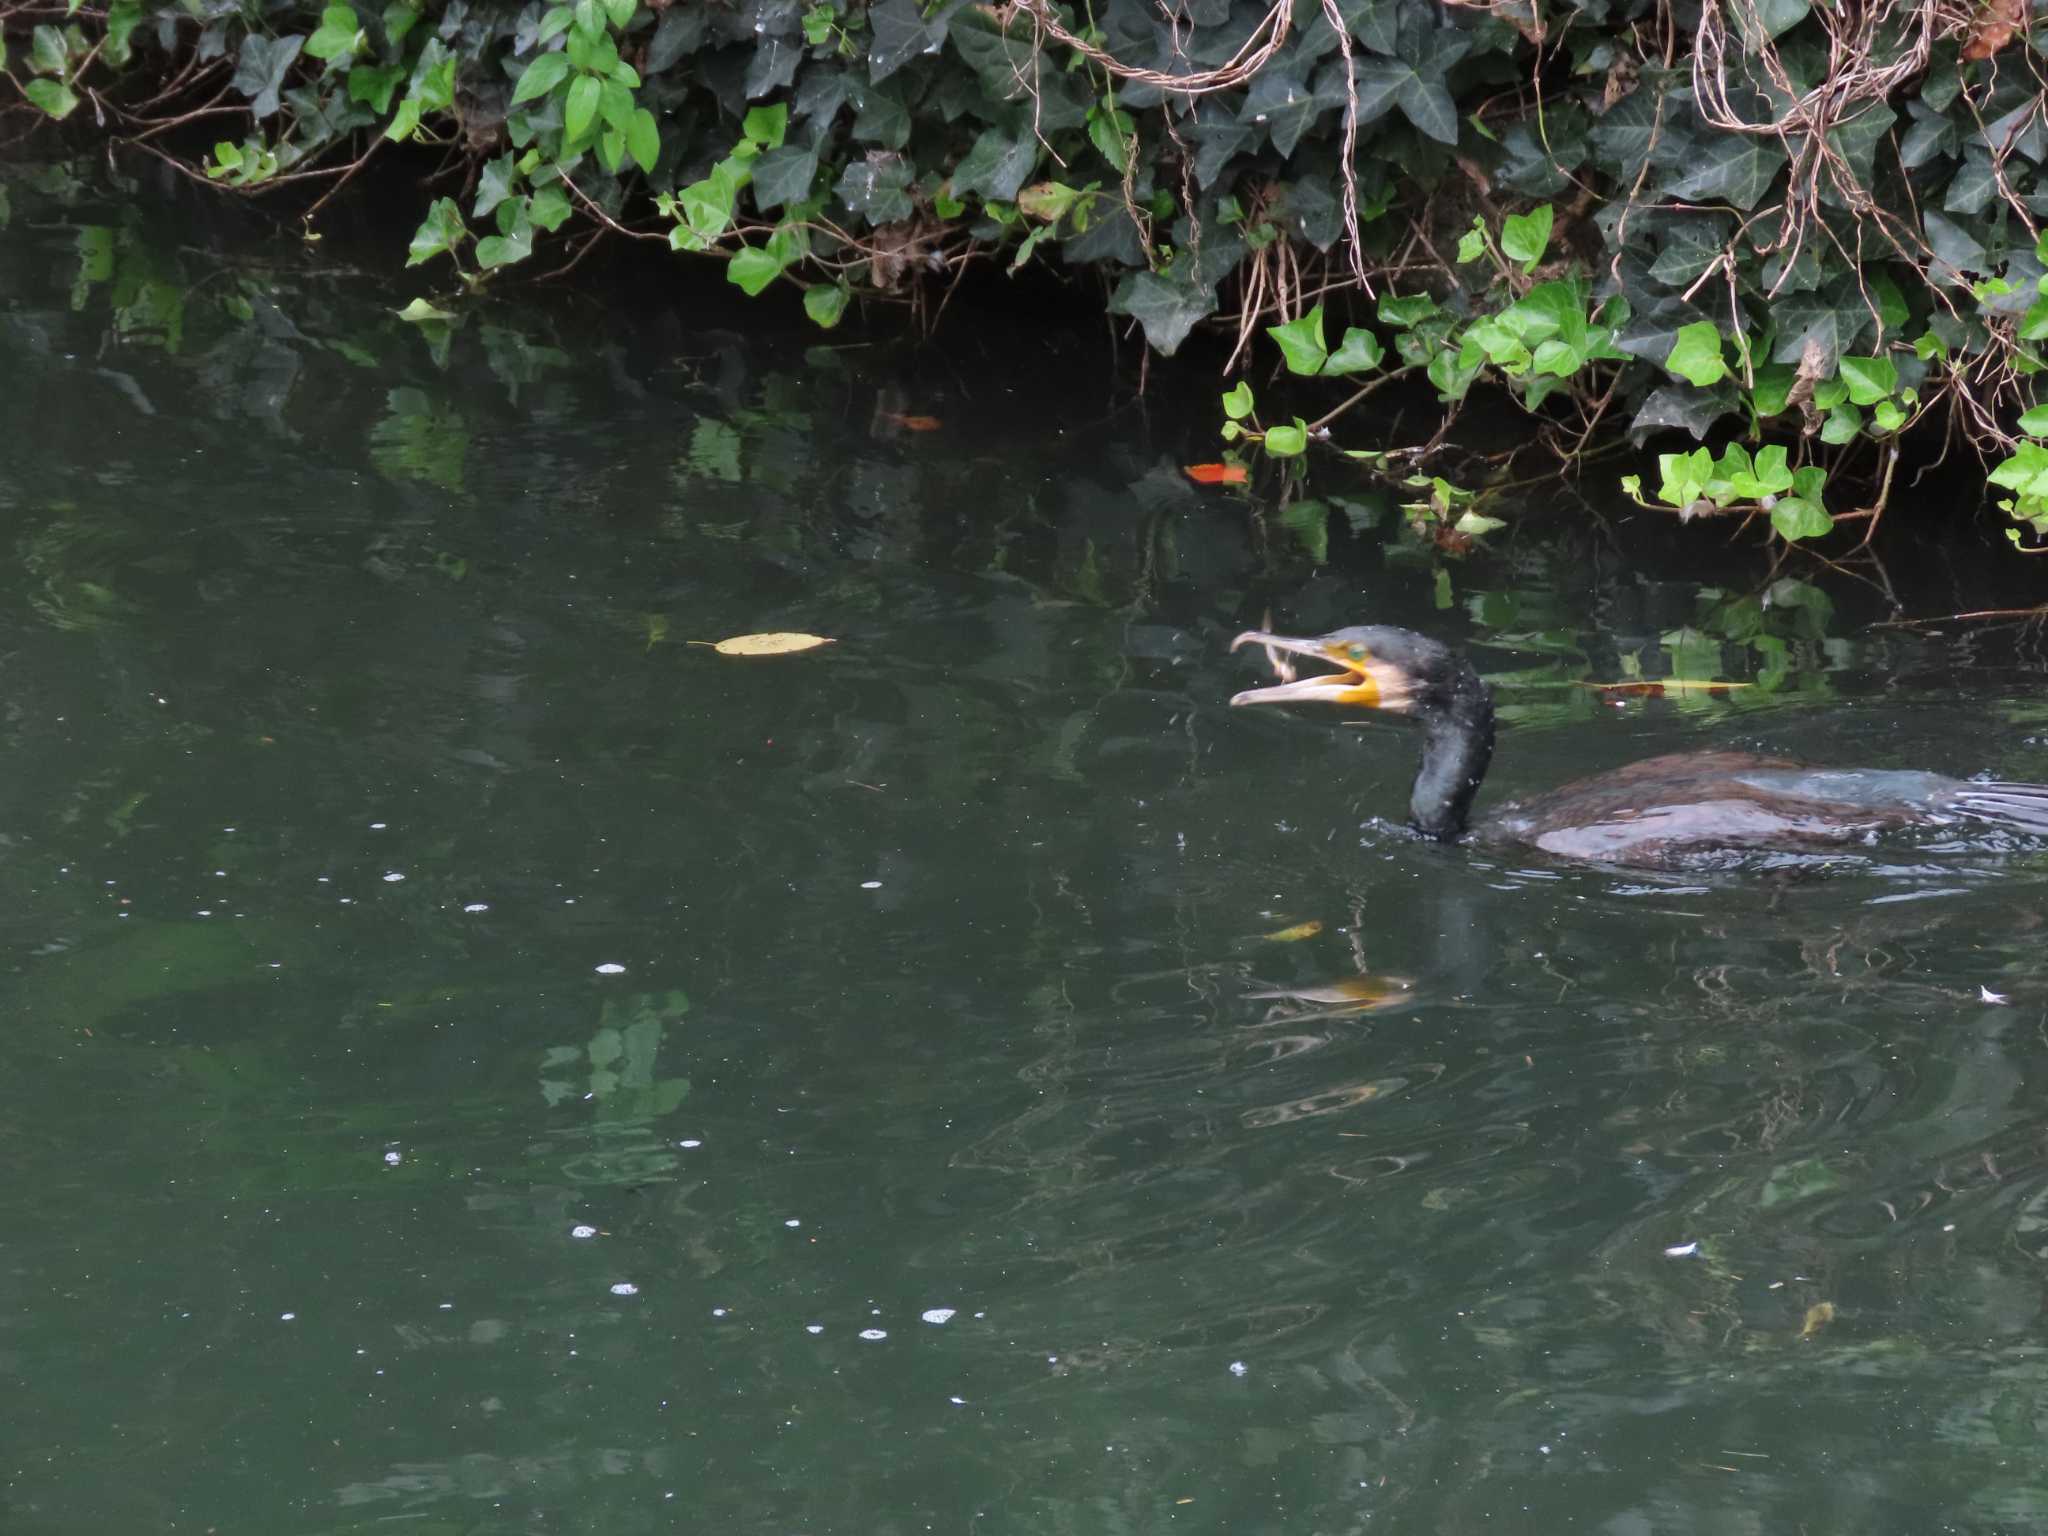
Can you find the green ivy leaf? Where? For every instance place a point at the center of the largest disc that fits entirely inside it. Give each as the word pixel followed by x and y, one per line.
pixel 420 312
pixel 548 208
pixel 1870 379
pixel 1289 441
pixel 1796 518
pixel 2035 422
pixel 541 76
pixel 752 269
pixel 825 303
pixel 643 139
pixel 52 96
pixel 1401 313
pixel 47 54
pixel 1696 354
pixel 441 231
pixel 1301 343
pixel 580 109
pixel 339 34
pixel 1238 402
pixel 1359 352
pixel 1525 236
pixel 1472 244
pixel 1842 426
pixel 766 126
pixel 503 250
pixel 372 85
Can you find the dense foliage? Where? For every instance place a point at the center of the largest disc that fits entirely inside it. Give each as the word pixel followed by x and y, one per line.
pixel 1798 229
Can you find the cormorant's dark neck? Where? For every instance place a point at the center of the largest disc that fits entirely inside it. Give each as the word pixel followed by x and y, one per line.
pixel 1457 743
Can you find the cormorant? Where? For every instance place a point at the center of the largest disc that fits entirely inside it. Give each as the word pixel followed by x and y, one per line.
pixel 1665 812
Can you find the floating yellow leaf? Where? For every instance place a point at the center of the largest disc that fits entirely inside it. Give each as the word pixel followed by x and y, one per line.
pixel 1296 934
pixel 775 644
pixel 1668 685
pixel 1818 1316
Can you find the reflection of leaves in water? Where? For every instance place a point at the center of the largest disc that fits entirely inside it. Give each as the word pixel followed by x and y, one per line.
pixel 68 562
pixel 516 361
pixel 138 963
pixel 621 1060
pixel 615 1070
pixel 420 441
pixel 715 450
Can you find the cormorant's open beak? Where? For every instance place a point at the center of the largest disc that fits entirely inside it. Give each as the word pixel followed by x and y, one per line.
pixel 1362 681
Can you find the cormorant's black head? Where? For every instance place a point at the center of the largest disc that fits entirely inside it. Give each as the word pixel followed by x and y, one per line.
pixel 1380 667
pixel 1403 673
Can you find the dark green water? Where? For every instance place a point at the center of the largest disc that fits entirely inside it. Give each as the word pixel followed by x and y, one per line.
pixel 471 1061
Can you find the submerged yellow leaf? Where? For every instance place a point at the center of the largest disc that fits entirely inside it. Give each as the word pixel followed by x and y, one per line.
pixel 775 644
pixel 1818 1316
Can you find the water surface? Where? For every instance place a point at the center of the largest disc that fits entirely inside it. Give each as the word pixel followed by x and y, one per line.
pixel 475 1061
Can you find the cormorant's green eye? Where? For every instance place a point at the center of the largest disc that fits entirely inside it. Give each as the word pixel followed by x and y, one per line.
pixel 1357 652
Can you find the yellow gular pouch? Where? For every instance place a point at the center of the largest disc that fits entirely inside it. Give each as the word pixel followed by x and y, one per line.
pixel 1363 682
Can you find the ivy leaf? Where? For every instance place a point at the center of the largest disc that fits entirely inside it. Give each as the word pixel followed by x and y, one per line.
pixel 1287 442
pixel 1870 379
pixel 1525 236
pixel 52 96
pixel 1843 425
pixel 372 85
pixel 643 139
pixel 878 188
pixel 1833 319
pixel 1166 309
pixel 784 176
pixel 1429 107
pixel 1735 168
pixel 337 34
pixel 441 230
pixel 1359 352
pixel 47 53
pixel 2035 422
pixel 767 126
pixel 1696 354
pixel 901 33
pixel 996 168
pixel 548 208
pixel 498 180
pixel 580 108
pixel 1238 403
pixel 752 269
pixel 1301 342
pixel 503 250
pixel 260 69
pixel 1796 518
pixel 825 303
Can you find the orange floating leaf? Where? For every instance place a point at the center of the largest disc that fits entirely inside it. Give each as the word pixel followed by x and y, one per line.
pixel 1218 474
pixel 912 423
pixel 773 644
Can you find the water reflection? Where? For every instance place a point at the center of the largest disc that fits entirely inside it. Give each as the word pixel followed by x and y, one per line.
pixel 475 1058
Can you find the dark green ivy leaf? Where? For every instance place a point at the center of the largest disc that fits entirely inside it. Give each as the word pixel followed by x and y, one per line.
pixel 260 69
pixel 498 180
pixel 996 167
pixel 1735 168
pixel 784 176
pixel 1836 318
pixel 901 33
pixel 1166 309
